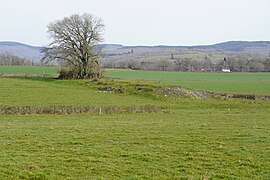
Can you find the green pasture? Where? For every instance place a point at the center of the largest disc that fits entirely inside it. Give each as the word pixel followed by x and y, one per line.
pixel 189 143
pixel 244 83
pixel 210 138
pixel 48 92
pixel 36 70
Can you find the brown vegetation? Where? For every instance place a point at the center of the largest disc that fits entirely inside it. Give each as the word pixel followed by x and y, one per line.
pixel 5 109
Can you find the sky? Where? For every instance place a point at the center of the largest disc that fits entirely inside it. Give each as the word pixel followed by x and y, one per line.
pixel 142 22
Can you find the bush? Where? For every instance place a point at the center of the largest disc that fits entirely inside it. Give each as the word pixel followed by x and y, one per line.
pixel 66 73
pixel 76 73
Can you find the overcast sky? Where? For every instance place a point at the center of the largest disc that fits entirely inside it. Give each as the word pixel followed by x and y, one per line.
pixel 142 22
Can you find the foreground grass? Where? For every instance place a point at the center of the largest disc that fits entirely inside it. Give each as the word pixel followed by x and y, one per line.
pixel 189 143
pixel 200 138
pixel 36 70
pixel 244 83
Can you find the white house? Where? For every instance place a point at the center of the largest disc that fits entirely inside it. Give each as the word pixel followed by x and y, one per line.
pixel 226 70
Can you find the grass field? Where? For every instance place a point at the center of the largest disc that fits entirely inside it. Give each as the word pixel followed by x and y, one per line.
pixel 190 143
pixel 201 138
pixel 48 92
pixel 242 83
pixel 248 83
pixel 36 70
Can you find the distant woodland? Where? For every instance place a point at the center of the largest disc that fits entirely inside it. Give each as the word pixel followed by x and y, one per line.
pixel 7 59
pixel 189 61
pixel 236 56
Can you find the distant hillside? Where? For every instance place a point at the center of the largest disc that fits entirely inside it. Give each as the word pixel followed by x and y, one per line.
pixel 33 52
pixel 21 50
pixel 237 45
pixel 225 46
pixel 110 46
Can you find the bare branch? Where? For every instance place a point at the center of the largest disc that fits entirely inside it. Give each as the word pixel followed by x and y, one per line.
pixel 74 39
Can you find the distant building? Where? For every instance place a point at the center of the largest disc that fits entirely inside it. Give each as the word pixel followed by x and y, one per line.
pixel 225 67
pixel 226 70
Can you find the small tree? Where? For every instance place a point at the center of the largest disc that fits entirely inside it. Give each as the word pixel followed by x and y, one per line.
pixel 74 44
pixel 172 56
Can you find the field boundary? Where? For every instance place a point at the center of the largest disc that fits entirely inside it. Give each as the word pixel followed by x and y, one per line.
pixel 24 110
pixel 158 90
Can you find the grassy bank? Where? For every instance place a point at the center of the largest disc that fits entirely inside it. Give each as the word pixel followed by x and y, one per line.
pixel 49 92
pixel 246 83
pixel 241 83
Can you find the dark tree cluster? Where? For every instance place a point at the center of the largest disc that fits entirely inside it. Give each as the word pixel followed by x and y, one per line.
pixel 117 54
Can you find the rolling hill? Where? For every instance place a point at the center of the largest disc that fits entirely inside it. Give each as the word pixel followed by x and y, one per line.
pixel 238 46
pixel 33 52
pixel 21 50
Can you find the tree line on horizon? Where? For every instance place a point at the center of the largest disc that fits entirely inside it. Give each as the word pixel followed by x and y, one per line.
pixel 8 59
pixel 234 63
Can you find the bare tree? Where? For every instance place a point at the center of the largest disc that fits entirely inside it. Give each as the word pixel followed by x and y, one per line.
pixel 74 43
pixel 163 65
pixel 266 63
pixel 7 59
